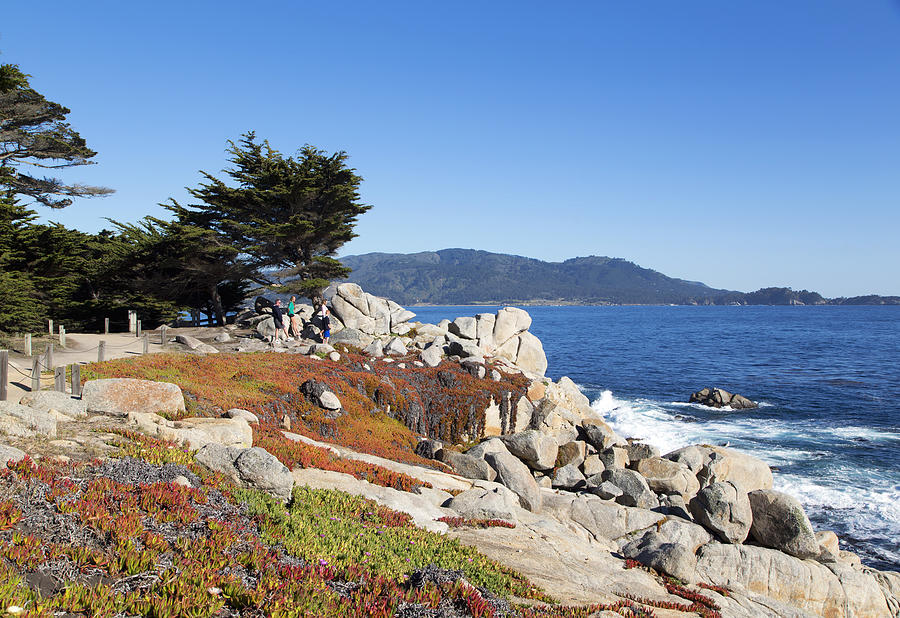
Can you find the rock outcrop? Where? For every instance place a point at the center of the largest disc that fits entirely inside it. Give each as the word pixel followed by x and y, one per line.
pixel 720 398
pixel 26 422
pixel 121 396
pixel 195 432
pixel 724 510
pixel 581 495
pixel 63 403
pixel 249 467
pixel 779 522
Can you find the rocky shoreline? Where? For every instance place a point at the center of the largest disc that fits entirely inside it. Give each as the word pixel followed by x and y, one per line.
pixel 594 516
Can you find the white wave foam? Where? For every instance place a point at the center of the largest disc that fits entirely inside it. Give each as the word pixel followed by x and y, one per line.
pixel 700 406
pixel 868 433
pixel 861 509
pixel 643 420
pixel 855 503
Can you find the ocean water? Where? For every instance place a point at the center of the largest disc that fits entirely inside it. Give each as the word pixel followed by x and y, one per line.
pixel 827 379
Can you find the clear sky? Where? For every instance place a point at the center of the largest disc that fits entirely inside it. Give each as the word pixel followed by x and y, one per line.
pixel 742 144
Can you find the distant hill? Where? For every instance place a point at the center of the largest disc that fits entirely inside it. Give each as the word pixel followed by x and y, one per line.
pixel 468 276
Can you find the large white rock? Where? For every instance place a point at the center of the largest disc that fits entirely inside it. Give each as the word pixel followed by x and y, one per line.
pixel 430 330
pixel 253 467
pixel 399 317
pixel 464 327
pixel 195 432
pixel 352 294
pixel 431 355
pixel 54 400
pixel 515 475
pixel 667 477
pixel 536 449
pixel 724 509
pixel 509 349
pixel 195 344
pixel 530 356
pixel 395 347
pixel 122 396
pixel 26 422
pixel 820 590
pixel 779 522
pixel 724 464
pixel 479 503
pixel 10 454
pixel 510 321
pixel 484 330
pixel 380 312
pixel 351 316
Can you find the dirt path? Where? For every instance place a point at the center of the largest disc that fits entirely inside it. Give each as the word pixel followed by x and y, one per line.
pixel 80 348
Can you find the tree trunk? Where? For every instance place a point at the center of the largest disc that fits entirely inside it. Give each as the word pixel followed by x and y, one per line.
pixel 217 305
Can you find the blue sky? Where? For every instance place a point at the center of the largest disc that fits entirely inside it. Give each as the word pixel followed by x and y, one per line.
pixel 739 144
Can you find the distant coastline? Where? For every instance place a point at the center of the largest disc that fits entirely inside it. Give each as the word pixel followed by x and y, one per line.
pixel 470 277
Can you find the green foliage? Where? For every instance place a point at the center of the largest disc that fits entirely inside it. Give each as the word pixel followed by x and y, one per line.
pixel 77 279
pixel 340 530
pixel 185 264
pixel 34 134
pixel 20 309
pixel 284 216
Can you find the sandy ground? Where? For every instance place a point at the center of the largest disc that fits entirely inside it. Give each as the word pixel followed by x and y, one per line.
pixel 82 349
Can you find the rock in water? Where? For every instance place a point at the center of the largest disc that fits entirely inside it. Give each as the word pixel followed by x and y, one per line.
pixel 720 398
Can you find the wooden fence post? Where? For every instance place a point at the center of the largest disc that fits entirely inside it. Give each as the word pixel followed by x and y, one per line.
pixel 59 379
pixel 76 380
pixel 101 352
pixel 146 344
pixel 4 374
pixel 36 374
pixel 137 329
pixel 105 326
pixel 48 363
pixel 27 344
pixel 50 323
pixel 62 336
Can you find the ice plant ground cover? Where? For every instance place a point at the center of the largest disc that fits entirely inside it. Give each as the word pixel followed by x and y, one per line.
pixel 384 405
pixel 120 536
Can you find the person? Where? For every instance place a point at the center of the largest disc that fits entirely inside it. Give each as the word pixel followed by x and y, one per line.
pixel 294 317
pixel 326 323
pixel 280 328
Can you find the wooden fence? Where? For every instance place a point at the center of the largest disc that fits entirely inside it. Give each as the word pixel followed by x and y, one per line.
pixel 46 362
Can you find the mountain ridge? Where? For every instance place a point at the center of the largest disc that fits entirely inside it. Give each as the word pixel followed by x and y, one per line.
pixel 472 276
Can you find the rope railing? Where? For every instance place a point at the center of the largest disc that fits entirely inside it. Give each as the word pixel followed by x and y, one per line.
pixel 40 361
pixel 20 372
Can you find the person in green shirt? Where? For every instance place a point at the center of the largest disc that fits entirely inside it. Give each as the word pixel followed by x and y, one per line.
pixel 294 317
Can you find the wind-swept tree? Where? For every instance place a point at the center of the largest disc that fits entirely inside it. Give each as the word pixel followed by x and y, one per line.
pixel 285 216
pixel 34 134
pixel 185 262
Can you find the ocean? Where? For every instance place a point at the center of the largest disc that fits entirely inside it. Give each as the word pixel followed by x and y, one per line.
pixel 827 380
